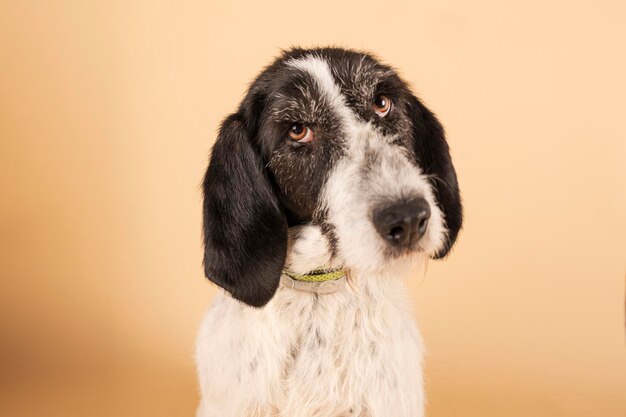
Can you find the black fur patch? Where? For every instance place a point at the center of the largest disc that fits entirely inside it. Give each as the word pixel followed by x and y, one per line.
pixel 433 156
pixel 328 230
pixel 245 230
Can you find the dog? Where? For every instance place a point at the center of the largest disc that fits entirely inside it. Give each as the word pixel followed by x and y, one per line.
pixel 324 189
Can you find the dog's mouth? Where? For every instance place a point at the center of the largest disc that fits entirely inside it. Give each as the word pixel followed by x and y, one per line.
pixel 395 252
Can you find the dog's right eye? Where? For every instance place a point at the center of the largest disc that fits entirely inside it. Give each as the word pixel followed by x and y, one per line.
pixel 382 105
pixel 300 133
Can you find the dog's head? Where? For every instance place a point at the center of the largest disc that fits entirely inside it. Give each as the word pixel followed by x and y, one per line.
pixel 334 138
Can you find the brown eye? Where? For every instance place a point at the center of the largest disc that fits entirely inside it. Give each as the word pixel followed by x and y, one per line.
pixel 300 133
pixel 382 105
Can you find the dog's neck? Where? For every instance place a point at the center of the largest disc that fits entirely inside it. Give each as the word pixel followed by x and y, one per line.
pixel 309 250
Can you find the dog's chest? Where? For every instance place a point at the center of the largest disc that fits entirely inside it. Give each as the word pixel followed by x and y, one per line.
pixel 338 355
pixel 349 354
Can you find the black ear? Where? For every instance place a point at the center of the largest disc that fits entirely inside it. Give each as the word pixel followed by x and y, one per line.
pixel 245 231
pixel 433 156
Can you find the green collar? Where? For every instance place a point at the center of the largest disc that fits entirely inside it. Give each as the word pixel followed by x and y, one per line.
pixel 317 275
pixel 319 281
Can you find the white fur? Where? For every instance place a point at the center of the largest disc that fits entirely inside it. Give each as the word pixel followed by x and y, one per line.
pixel 320 71
pixel 356 352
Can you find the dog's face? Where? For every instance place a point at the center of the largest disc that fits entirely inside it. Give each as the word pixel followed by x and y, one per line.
pixel 334 138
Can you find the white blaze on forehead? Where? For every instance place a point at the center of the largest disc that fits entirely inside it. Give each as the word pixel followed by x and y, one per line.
pixel 319 70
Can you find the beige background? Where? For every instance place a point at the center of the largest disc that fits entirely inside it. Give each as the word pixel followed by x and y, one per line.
pixel 107 113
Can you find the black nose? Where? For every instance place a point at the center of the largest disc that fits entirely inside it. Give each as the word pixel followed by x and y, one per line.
pixel 402 223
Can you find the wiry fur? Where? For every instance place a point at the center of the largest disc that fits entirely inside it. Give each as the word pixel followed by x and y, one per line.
pixel 356 352
pixel 272 203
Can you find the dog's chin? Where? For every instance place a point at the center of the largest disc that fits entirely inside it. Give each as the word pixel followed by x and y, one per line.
pixel 404 262
pixel 384 260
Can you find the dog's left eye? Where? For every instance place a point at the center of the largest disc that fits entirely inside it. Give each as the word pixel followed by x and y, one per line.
pixel 300 133
pixel 382 105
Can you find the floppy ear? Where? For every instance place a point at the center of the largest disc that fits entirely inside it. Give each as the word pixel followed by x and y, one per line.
pixel 433 156
pixel 245 231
